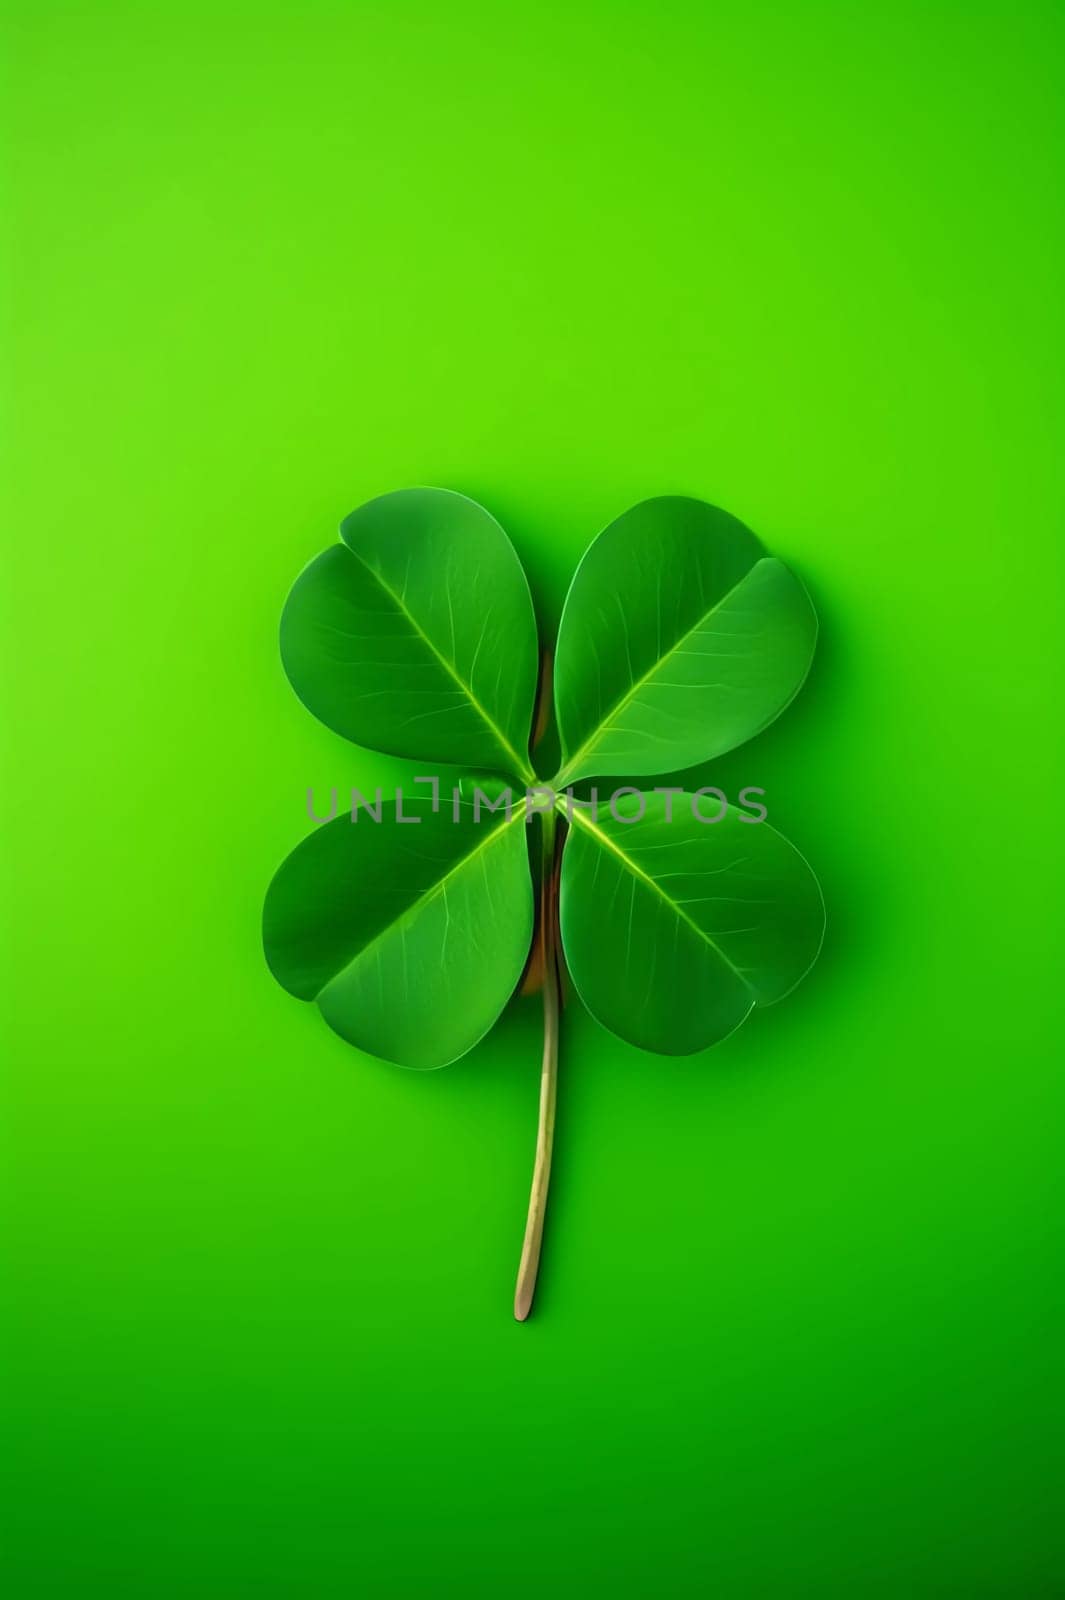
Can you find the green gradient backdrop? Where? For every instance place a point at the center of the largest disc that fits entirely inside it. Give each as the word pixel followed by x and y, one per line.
pixel 798 1325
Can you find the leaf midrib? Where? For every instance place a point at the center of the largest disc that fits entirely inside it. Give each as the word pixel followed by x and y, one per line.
pixel 645 878
pixel 619 705
pixel 521 766
pixel 428 894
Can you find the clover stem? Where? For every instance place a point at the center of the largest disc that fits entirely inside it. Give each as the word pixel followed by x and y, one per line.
pixel 545 1133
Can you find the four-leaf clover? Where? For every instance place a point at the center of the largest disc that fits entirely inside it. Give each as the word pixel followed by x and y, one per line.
pixel 675 914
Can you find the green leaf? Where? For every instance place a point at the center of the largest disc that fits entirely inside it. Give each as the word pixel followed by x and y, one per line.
pixel 411 936
pixel 680 638
pixel 674 930
pixel 416 635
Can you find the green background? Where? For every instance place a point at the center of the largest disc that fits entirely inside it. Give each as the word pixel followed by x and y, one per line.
pixel 799 1317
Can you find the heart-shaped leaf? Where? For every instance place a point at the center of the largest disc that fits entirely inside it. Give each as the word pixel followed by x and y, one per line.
pixel 410 934
pixel 680 638
pixel 673 927
pixel 416 635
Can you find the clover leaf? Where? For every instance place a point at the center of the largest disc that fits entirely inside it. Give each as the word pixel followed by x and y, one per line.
pixel 680 639
pixel 416 635
pixel 410 935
